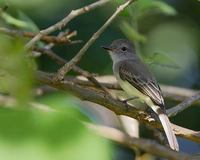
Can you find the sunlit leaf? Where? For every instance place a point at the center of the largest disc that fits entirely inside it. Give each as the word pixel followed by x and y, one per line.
pixel 23 21
pixel 14 21
pixel 162 60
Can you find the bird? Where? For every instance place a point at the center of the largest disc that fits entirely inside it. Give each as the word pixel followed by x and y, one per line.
pixel 136 80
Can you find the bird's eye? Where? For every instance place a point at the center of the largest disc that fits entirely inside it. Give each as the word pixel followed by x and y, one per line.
pixel 124 49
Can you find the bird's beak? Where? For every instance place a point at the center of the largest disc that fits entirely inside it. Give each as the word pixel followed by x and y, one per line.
pixel 108 48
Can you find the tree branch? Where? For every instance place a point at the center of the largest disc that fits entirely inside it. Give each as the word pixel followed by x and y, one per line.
pixel 65 21
pixel 177 93
pixel 111 133
pixel 45 38
pixel 143 144
pixel 184 105
pixel 110 82
pixel 60 61
pixel 97 96
pixel 68 66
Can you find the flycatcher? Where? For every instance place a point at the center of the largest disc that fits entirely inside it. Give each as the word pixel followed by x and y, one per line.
pixel 137 81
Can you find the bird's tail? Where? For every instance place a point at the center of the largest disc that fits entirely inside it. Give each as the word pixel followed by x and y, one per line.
pixel 167 128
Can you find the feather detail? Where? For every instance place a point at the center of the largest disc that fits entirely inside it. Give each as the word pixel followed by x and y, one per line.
pixel 139 77
pixel 173 143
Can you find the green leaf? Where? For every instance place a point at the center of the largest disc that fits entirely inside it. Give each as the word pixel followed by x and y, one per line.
pixel 142 7
pixel 162 60
pixel 30 24
pixel 16 69
pixel 23 21
pixel 131 33
pixel 13 21
pixel 165 8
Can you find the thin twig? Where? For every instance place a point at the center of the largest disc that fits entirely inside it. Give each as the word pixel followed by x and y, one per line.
pixel 143 144
pixel 60 61
pixel 49 46
pixel 178 93
pixel 183 105
pixel 48 39
pixel 99 97
pixel 191 95
pixel 68 66
pixel 59 25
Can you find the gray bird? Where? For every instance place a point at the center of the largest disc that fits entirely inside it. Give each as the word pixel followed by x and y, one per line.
pixel 137 81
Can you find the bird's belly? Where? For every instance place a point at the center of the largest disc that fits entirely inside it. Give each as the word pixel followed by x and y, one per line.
pixel 132 91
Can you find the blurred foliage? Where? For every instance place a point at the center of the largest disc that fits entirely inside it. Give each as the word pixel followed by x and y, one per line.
pixel 163 60
pixel 16 69
pixel 19 23
pixel 179 42
pixel 131 33
pixel 20 3
pixel 49 135
pixel 30 25
pixel 143 7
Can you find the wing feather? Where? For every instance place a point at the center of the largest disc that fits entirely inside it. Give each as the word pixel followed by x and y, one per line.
pixel 138 75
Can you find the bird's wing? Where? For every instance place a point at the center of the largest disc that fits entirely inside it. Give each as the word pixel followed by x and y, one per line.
pixel 137 74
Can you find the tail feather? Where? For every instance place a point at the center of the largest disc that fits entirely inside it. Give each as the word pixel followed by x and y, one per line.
pixel 167 128
pixel 169 132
